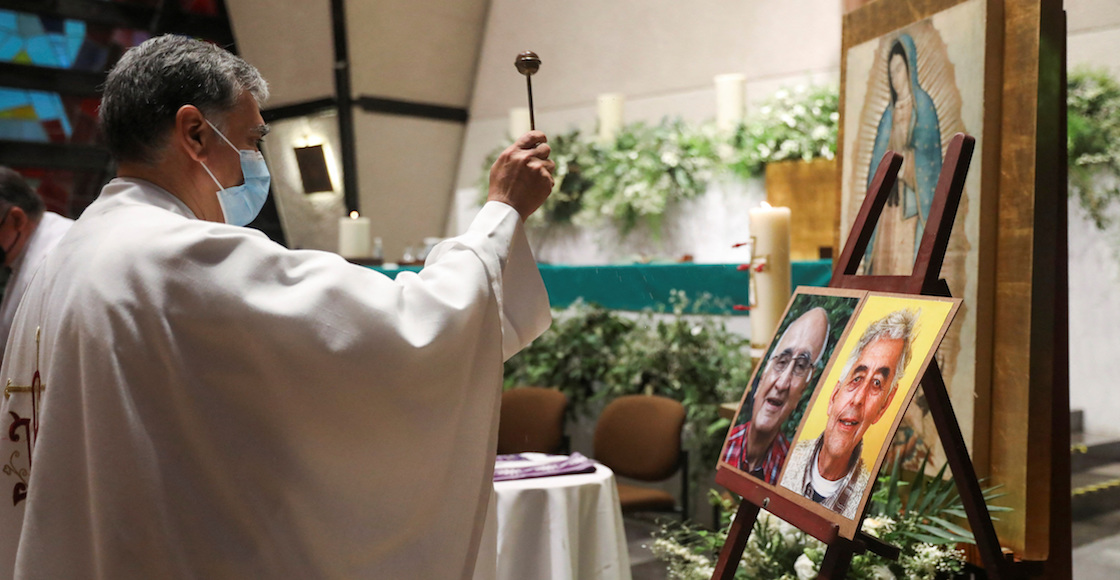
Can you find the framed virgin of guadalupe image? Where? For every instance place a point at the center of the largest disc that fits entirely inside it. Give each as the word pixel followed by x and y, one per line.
pixel 784 381
pixel 908 86
pixel 848 426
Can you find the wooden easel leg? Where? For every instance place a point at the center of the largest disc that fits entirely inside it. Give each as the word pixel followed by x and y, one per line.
pixel 837 560
pixel 736 542
pixel 964 474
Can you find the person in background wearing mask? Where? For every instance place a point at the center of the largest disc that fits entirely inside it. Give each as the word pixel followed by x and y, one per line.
pixel 188 399
pixel 27 234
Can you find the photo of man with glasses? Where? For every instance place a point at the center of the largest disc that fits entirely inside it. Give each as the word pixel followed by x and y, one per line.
pixel 783 384
pixel 758 446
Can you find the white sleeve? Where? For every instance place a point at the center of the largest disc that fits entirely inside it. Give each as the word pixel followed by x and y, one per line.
pixel 497 232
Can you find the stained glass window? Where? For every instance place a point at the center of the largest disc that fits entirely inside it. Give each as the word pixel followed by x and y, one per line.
pixel 66 44
pixel 61 42
pixel 44 41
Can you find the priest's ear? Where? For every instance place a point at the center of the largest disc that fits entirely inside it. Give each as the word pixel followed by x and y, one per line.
pixel 18 218
pixel 190 132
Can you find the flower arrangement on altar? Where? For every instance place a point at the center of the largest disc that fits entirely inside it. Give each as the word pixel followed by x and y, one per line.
pixel 801 123
pixel 638 176
pixel 915 515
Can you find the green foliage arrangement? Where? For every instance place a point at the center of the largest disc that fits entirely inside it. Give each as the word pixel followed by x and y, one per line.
pixel 575 354
pixel 693 359
pixel 639 176
pixel 574 157
pixel 1094 142
pixel 920 523
pixel 645 170
pixel 594 354
pixel 793 124
pixel 635 179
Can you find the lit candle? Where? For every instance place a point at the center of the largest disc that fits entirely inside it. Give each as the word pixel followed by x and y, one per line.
pixel 730 97
pixel 353 236
pixel 770 272
pixel 518 122
pixel 610 116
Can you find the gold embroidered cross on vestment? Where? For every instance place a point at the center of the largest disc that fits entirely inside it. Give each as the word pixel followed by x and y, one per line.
pixel 30 427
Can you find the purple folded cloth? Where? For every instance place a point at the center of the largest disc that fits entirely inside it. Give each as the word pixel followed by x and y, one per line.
pixel 525 466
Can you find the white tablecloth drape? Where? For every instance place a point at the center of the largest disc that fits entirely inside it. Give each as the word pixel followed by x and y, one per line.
pixel 565 527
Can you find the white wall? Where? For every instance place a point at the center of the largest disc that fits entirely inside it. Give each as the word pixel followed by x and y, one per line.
pixel 291 45
pixel 310 221
pixel 662 54
pixel 418 51
pixel 1094 268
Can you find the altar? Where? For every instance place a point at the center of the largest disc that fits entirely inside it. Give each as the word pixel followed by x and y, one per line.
pixel 639 286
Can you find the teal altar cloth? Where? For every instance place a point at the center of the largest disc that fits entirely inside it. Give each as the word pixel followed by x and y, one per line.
pixel 641 286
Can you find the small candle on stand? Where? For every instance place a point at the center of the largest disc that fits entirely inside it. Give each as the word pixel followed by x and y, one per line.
pixel 353 236
pixel 610 116
pixel 518 122
pixel 770 271
pixel 730 99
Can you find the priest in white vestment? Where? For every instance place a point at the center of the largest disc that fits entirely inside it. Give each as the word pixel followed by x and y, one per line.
pixel 27 233
pixel 187 399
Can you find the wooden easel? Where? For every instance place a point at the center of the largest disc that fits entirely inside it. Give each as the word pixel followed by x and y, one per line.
pixel 923 279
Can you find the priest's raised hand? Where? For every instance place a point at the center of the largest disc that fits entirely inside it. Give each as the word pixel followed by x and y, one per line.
pixel 522 175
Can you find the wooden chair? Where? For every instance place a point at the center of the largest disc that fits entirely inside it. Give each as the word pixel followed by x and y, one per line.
pixel 639 437
pixel 532 419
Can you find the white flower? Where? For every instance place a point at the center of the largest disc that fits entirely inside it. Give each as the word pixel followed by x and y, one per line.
pixel 882 573
pixel 791 536
pixel 805 568
pixel 876 526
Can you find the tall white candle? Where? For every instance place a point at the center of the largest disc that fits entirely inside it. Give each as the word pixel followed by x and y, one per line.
pixel 519 123
pixel 731 92
pixel 770 272
pixel 353 236
pixel 610 115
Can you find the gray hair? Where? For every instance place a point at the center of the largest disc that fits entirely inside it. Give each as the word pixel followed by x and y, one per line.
pixel 14 191
pixel 900 324
pixel 148 85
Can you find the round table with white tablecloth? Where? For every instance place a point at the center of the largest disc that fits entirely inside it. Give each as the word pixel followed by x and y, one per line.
pixel 561 527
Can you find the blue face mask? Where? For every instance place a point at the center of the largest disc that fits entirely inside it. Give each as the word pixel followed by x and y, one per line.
pixel 242 203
